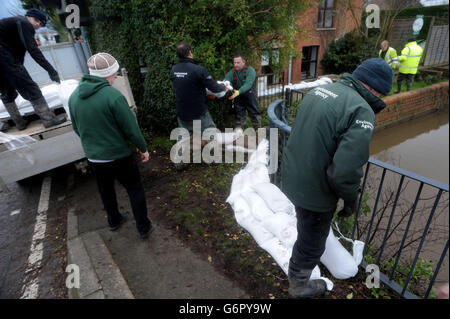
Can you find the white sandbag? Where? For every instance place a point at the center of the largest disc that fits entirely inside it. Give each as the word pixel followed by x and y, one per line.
pixel 260 156
pixel 274 198
pixel 258 207
pixel 358 246
pixel 337 259
pixel 65 91
pixel 240 207
pixel 279 253
pixel 284 227
pixel 259 174
pixel 219 95
pixel 259 233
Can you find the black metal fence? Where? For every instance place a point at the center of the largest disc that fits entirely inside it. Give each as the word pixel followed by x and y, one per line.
pixel 402 218
pixel 269 87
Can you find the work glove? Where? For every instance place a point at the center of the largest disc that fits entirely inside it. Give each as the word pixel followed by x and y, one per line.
pixel 349 209
pixel 235 94
pixel 54 77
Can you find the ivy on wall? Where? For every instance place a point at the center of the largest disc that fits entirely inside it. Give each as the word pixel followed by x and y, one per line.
pixel 148 31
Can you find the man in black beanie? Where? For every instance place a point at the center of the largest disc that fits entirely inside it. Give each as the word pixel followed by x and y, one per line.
pixel 17 37
pixel 323 160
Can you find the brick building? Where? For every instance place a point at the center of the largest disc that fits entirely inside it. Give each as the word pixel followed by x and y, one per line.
pixel 325 21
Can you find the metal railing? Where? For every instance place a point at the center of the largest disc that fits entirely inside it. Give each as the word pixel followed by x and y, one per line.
pixel 404 243
pixel 269 87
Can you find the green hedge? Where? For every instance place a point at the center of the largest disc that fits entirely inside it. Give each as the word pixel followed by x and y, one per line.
pixel 149 30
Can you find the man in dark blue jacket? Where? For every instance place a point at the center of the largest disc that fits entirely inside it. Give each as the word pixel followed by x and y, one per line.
pixel 16 38
pixel 190 81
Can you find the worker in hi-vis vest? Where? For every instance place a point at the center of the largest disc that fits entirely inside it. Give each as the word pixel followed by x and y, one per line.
pixel 409 64
pixel 389 54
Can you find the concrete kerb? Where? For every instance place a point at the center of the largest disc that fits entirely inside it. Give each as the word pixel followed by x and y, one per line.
pixel 99 276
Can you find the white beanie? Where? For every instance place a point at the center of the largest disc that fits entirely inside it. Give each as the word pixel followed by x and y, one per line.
pixel 102 65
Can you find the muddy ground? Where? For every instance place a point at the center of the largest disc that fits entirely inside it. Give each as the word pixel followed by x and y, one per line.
pixel 192 202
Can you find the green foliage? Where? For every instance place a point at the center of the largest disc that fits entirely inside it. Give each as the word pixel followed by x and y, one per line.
pixel 439 12
pixel 346 53
pixel 216 29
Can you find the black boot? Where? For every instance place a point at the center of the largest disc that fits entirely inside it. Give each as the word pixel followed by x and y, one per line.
pixel 48 119
pixel 13 111
pixel 301 287
pixel 4 127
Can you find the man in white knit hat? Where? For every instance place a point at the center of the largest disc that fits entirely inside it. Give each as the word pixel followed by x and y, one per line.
pixel 102 118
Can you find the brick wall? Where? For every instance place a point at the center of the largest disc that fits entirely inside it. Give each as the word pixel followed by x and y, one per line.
pixel 405 106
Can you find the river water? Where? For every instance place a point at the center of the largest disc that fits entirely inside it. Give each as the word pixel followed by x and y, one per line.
pixel 421 146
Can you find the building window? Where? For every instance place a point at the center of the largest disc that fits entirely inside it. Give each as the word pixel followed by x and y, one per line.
pixel 267 61
pixel 326 13
pixel 309 62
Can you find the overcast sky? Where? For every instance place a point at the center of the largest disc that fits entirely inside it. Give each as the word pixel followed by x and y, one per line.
pixel 10 8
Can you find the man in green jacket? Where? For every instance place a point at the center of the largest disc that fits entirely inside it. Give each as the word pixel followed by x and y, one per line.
pixel 242 78
pixel 102 118
pixel 323 160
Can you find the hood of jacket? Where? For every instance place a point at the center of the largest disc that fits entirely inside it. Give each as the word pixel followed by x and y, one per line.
pixel 91 84
pixel 374 101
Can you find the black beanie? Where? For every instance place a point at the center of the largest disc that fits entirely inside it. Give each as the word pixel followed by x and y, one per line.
pixel 35 13
pixel 376 73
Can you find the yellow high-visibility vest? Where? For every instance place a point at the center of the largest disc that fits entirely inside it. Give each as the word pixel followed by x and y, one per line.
pixel 390 57
pixel 410 58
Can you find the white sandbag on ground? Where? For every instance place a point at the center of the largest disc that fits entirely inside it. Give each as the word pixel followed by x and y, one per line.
pixel 259 233
pixel 284 227
pixel 258 207
pixel 337 259
pixel 274 198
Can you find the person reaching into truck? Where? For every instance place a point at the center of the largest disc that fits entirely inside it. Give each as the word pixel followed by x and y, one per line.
pixel 105 124
pixel 16 38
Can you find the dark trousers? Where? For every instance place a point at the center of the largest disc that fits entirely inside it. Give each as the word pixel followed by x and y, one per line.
pixel 15 78
pixel 247 102
pixel 126 172
pixel 409 81
pixel 313 229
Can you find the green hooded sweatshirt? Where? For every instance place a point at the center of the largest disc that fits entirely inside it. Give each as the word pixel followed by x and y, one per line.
pixel 102 118
pixel 329 144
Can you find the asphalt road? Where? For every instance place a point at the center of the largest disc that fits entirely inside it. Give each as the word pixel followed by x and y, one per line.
pixel 32 244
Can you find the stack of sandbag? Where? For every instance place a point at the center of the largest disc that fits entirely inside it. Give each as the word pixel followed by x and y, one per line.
pixel 269 216
pixel 55 95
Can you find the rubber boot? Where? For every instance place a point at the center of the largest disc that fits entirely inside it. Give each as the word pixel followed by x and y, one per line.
pixel 48 118
pixel 13 111
pixel 4 127
pixel 301 287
